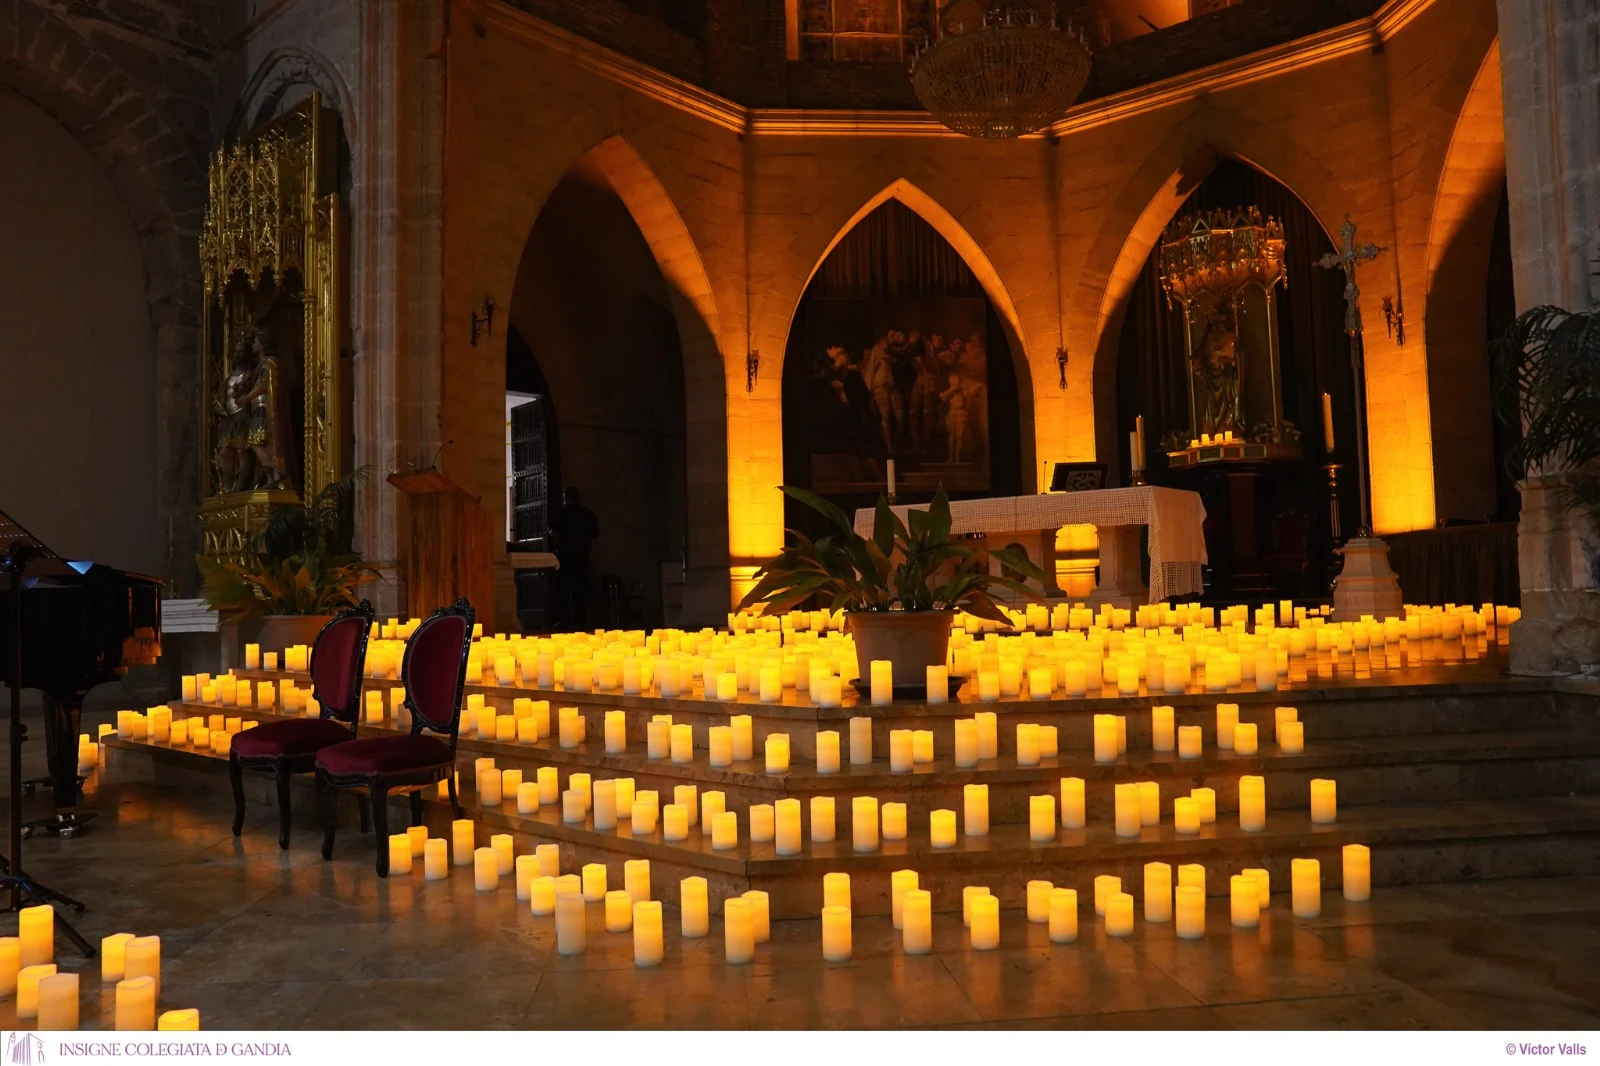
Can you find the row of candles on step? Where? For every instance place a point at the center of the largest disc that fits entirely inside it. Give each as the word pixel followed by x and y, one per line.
pixel 212 733
pixel 226 690
pixel 28 971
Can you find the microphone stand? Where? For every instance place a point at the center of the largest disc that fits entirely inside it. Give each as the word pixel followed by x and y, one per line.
pixel 19 888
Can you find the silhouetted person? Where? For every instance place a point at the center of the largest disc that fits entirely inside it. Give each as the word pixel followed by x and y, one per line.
pixel 574 529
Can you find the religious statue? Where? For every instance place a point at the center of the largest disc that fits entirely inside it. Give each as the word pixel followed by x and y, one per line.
pixel 1217 364
pixel 248 425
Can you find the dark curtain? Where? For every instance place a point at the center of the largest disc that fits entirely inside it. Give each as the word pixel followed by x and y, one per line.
pixel 893 254
pixel 1314 357
pixel 1502 308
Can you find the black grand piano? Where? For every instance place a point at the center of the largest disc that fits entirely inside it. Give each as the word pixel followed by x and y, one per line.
pixel 83 624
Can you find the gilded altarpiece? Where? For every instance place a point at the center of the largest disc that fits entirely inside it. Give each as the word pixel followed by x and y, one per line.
pixel 270 367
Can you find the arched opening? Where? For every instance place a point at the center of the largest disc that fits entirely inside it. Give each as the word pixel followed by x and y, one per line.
pixel 897 352
pixel 1269 524
pixel 592 332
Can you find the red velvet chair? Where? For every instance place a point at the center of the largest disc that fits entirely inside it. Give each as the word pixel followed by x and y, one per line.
pixel 434 673
pixel 338 664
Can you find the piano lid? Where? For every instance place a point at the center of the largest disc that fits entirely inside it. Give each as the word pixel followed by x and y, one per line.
pixel 44 566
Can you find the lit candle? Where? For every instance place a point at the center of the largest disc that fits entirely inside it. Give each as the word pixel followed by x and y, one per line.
pixel 739 942
pixel 836 933
pixel 1252 803
pixel 894 821
pixel 1041 818
pixel 916 922
pixel 1207 800
pixel 658 739
pixel 1162 733
pixel 1327 423
pixel 902 755
pixel 1305 883
pixel 1105 738
pixel 687 797
pixel 682 743
pixel 988 686
pixel 184 1020
pixel 1324 802
pixel 1041 679
pixel 1266 671
pixel 770 682
pixel 836 890
pixel 1157 892
pixel 675 822
pixel 938 684
pixel 1119 914
pixel 743 726
pixel 647 933
pixel 1063 915
pixel 399 854
pixel 504 852
pixel 571 923
pixel 882 682
pixel 1104 886
pixel 542 895
pixel 1027 744
pixel 572 806
pixel 828 751
pixel 485 870
pixel 863 823
pixel 1190 911
pixel 1263 882
pixel 900 882
pixel 1038 900
pixel 135 1005
pixel 712 803
pixel 988 734
pixel 549 859
pixel 618 911
pixel 694 905
pixel 786 832
pixel 252 656
pixel 984 922
pixel 763 822
pixel 975 818
pixel 1244 738
pixel 435 861
pixel 1149 803
pixel 727 687
pixel 1126 810
pixel 1072 803
pixel 1357 873
pixel 1186 815
pixel 823 819
pixel 616 732
pixel 1076 678
pixel 112 956
pixel 942 828
pixel 1227 718
pixel 58 1002
pixel 860 741
pixel 724 831
pixel 1245 901
pixel 489 787
pixel 922 746
pixel 777 753
pixel 36 928
pixel 549 779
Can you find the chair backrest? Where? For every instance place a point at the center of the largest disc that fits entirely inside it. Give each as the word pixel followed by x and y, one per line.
pixel 339 663
pixel 435 669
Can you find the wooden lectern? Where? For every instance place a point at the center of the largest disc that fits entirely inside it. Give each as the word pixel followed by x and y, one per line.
pixel 447 550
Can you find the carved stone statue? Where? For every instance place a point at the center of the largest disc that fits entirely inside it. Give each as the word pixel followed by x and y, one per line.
pixel 1217 365
pixel 248 428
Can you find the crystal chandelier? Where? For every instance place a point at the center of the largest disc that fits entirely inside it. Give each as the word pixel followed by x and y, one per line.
pixel 1000 71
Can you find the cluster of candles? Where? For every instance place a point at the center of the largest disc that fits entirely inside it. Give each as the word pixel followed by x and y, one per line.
pixel 230 690
pixel 28 972
pixel 213 733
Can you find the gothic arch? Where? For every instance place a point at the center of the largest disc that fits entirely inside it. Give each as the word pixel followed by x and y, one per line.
pixel 158 172
pixel 282 70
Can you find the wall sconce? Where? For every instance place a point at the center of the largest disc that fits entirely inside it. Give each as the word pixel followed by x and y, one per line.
pixel 483 320
pixel 1061 367
pixel 1394 319
pixel 752 370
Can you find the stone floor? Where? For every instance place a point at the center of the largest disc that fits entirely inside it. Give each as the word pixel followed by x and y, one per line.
pixel 261 939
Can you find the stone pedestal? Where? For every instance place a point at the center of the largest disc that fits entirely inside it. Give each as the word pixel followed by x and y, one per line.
pixel 1367 585
pixel 1121 581
pixel 1558 555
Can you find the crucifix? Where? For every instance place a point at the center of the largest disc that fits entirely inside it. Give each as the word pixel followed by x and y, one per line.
pixel 1347 258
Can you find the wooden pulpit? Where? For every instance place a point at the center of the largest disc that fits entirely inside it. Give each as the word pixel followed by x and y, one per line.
pixel 446 549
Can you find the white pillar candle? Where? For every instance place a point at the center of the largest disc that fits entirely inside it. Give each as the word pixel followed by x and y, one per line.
pixel 399 854
pixel 900 882
pixel 636 879
pixel 985 923
pixel 1186 815
pixel 1357 873
pixel 485 870
pixel 1263 883
pixel 36 929
pixel 743 726
pixel 902 757
pixel 618 911
pixel 1041 679
pixel 141 957
pixel 824 821
pixel 1010 678
pixel 1324 801
pixel 1206 798
pixel 1149 803
pixel 694 906
pixel 1252 803
pixel 1244 901
pixel 616 732
pixel 1125 810
pixel 1072 803
pixel 528 798
pixel 674 822
pixel 942 828
pixel 966 743
pixel 727 687
pixel 739 942
pixel 572 807
pixel 763 822
pixel 435 864
pixel 975 817
pixel 777 753
pixel 828 751
pixel 863 823
pixel 882 678
pixel 1244 738
pixel 988 734
pixel 770 683
pixel 724 831
pixel 1157 892
pixel 916 922
pixel 860 741
pixel 1305 883
pixel 658 739
pixel 1037 896
pixel 836 890
pixel 836 933
pixel 786 831
pixel 1105 738
pixel 527 868
pixel 922 746
pixel 647 933
pixel 252 656
pixel 1291 738
pixel 1189 910
pixel 549 784
pixel 1104 886
pixel 688 797
pixel 58 1003
pixel 571 923
pixel 712 803
pixel 988 686
pixel 682 743
pixel 1162 732
pixel 594 881
pixel 1076 678
pixel 489 781
pixel 1027 741
pixel 1063 915
pixel 1041 818
pixel 1227 718
pixel 135 1005
pixel 113 950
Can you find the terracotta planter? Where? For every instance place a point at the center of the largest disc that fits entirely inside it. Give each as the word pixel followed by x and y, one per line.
pixel 280 631
pixel 911 640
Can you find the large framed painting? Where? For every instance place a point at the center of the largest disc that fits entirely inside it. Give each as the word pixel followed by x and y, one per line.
pixel 906 380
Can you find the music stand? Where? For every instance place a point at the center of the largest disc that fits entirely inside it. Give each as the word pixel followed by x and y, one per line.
pixel 22 558
pixel 1077 477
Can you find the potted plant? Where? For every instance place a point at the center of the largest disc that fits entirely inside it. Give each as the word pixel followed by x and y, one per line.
pixel 900 588
pixel 298 574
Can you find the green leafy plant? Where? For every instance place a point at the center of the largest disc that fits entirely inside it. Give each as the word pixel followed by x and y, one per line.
pixel 1547 385
pixel 907 566
pixel 302 563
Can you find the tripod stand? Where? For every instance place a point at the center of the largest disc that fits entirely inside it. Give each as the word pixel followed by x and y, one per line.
pixel 19 888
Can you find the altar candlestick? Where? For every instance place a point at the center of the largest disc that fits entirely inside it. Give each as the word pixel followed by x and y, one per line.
pixel 1327 423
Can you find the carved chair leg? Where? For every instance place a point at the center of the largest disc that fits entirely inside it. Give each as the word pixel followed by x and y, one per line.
pixel 236 777
pixel 326 797
pixel 283 807
pixel 416 807
pixel 455 804
pixel 366 818
pixel 380 826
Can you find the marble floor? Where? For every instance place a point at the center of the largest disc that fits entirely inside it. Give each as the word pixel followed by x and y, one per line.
pixel 261 939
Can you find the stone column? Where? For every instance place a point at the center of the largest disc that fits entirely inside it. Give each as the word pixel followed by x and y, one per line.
pixel 1550 71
